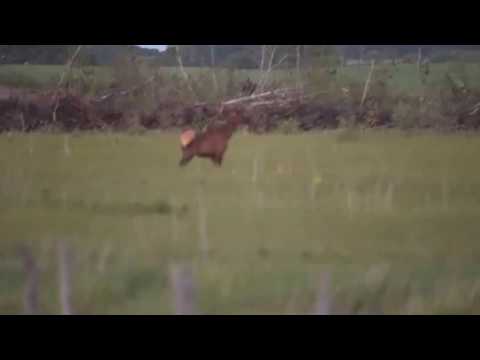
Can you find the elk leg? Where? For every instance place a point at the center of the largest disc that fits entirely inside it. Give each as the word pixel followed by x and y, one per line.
pixel 218 160
pixel 186 159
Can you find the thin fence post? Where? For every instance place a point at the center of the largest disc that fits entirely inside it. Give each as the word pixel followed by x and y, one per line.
pixel 174 224
pixel 184 289
pixel 103 258
pixel 444 193
pixel 64 277
pixel 66 146
pixel 255 170
pixel 30 299
pixel 323 302
pixel 202 225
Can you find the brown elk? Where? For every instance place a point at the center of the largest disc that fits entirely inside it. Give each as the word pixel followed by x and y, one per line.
pixel 211 143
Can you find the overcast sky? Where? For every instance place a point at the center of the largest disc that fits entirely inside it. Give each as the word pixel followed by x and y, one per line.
pixel 159 47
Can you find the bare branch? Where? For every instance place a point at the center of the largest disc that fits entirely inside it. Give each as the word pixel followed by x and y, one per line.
pixel 182 69
pixel 214 75
pixel 272 57
pixel 262 59
pixel 62 79
pixel 69 66
pixel 419 59
pixel 367 83
pixel 475 109
pixel 299 59
pixel 280 62
pixel 265 74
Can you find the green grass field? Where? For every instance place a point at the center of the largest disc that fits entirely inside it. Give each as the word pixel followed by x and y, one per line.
pixel 46 76
pixel 392 217
pixel 404 76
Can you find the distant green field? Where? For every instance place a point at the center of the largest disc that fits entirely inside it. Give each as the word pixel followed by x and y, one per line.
pixel 393 217
pixel 404 76
pixel 44 76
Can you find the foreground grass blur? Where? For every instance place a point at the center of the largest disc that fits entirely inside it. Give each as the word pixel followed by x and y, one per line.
pixel 392 217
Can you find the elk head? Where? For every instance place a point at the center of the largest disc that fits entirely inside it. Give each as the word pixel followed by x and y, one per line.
pixel 187 137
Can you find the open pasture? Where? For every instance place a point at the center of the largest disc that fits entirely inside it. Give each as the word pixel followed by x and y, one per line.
pixel 391 218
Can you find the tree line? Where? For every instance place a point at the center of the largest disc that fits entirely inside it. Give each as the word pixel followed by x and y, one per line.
pixel 251 56
pixel 233 56
pixel 59 54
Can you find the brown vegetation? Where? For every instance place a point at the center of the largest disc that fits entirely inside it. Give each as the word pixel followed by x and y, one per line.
pixel 22 110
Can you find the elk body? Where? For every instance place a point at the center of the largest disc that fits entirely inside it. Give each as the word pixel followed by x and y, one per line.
pixel 210 144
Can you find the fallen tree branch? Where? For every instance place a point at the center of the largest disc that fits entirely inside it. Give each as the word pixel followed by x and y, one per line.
pixel 125 92
pixel 258 96
pixel 475 109
pixel 278 103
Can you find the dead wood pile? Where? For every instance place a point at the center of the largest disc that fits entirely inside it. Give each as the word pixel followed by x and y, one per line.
pixel 31 111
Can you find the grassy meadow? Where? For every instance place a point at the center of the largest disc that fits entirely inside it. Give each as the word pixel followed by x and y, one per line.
pixel 392 217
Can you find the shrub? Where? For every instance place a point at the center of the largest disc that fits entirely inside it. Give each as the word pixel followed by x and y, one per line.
pixel 405 115
pixel 289 126
pixel 432 114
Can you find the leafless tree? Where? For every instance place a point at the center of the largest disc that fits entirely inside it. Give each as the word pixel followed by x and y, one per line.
pixel 268 53
pixel 182 68
pixel 67 70
pixel 214 74
pixel 298 66
pixel 419 60
pixel 367 83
